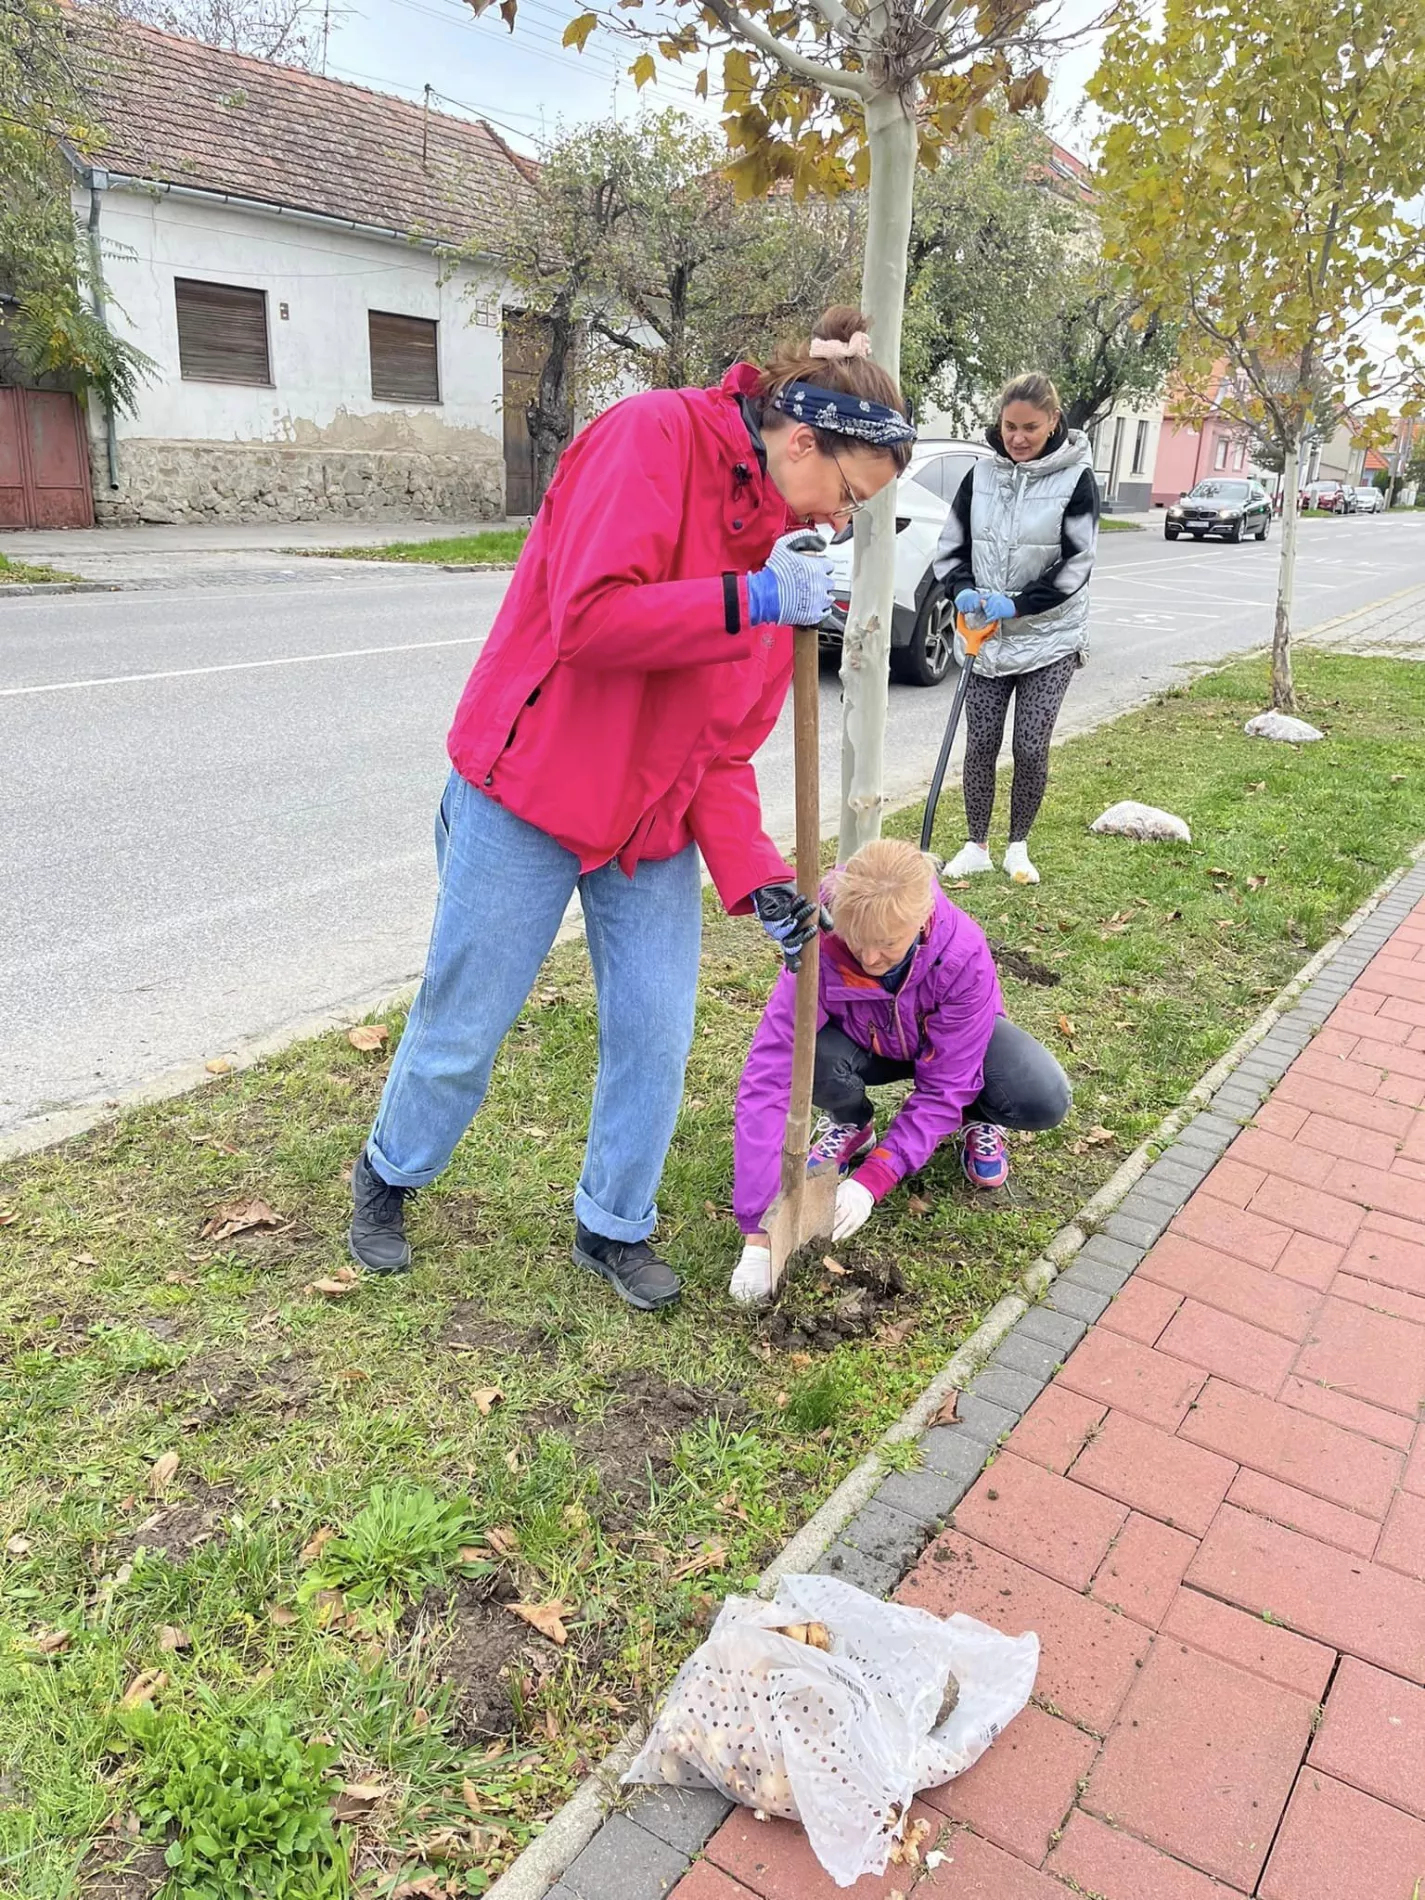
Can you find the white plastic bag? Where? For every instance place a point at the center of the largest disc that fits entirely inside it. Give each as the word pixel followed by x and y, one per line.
pixel 1275 725
pixel 1129 819
pixel 837 1740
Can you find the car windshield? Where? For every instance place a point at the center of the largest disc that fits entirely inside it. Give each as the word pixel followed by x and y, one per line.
pixel 1220 491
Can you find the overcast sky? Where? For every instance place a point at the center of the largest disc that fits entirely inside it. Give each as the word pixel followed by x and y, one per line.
pixel 525 82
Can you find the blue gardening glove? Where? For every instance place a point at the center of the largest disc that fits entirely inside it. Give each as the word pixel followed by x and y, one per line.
pixel 794 589
pixel 789 919
pixel 969 600
pixel 998 607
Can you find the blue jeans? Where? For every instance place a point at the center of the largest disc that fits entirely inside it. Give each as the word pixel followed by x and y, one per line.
pixel 504 888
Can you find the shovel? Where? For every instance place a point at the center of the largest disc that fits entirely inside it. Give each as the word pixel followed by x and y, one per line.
pixel 974 638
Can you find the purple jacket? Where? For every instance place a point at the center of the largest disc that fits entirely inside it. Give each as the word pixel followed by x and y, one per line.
pixel 940 1020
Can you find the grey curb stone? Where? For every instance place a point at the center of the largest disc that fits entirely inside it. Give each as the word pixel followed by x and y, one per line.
pixel 923 1496
pixel 1055 1329
pixel 876 1577
pixel 625 1860
pixel 1166 1194
pixel 1016 1391
pixel 682 1817
pixel 885 1535
pixel 1138 1215
pixel 1181 1169
pixel 1108 1252
pixel 1094 1276
pixel 1022 1353
pixel 977 1417
pixel 1209 1131
pixel 1080 1302
pixel 953 1454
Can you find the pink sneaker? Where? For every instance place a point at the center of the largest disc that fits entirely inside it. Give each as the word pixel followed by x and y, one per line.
pixel 983 1157
pixel 841 1142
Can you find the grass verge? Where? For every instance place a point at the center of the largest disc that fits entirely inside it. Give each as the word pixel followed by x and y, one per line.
pixel 28 572
pixel 1109 525
pixel 496 547
pixel 402 1558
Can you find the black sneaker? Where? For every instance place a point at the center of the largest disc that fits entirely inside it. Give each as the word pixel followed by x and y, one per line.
pixel 631 1268
pixel 377 1236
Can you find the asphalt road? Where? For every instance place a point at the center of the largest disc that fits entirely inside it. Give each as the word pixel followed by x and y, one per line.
pixel 218 797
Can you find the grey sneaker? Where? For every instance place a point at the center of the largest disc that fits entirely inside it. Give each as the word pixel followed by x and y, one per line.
pixel 631 1268
pixel 377 1236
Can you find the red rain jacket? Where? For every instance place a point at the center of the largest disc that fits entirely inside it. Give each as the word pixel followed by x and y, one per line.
pixel 610 706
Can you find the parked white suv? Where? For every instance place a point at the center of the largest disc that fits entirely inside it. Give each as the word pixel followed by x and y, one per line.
pixel 1366 501
pixel 922 629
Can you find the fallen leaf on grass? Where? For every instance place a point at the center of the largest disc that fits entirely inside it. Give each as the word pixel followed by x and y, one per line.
pixel 161 1473
pixel 8 1216
pixel 918 1205
pixel 960 884
pixel 144 1688
pixel 336 1285
pixel 800 1359
pixel 431 1887
pixel 52 1642
pixel 280 1616
pixel 172 1637
pixel 1097 1136
pixel 18 1547
pixel 352 1375
pixel 1066 1029
pixel 356 1800
pixel 367 1036
pixel 503 1540
pixel 239 1217
pixel 1255 883
pixel 833 1267
pixel 1217 870
pixel 472 1797
pixel 946 1414
pixel 175 1277
pixel 896 1334
pixel 473 1554
pixel 317 1543
pixel 714 1558
pixel 1173 917
pixel 487 1398
pixel 219 1065
pixel 547 1618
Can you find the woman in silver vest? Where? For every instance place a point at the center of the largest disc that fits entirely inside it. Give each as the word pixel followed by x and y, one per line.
pixel 1018 548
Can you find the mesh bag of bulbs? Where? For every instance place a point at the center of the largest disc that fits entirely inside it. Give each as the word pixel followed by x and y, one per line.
pixel 829 1707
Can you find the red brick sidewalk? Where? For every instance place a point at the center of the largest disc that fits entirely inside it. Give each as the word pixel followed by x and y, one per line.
pixel 1215 1519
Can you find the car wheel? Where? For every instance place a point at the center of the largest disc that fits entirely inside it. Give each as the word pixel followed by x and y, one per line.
pixel 1170 534
pixel 1262 531
pixel 1234 533
pixel 930 652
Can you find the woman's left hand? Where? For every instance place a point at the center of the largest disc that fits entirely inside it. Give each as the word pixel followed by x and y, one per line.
pixel 998 607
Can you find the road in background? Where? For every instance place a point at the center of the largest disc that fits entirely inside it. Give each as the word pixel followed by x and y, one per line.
pixel 219 795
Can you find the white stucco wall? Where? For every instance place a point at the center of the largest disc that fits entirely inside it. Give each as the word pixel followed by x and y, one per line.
pixel 327 279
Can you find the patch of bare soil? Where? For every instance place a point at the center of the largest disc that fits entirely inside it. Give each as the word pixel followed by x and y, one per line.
pixel 481 1653
pixel 1019 963
pixel 820 1309
pixel 176 1530
pixel 117 1869
pixel 215 1386
pixel 468 1328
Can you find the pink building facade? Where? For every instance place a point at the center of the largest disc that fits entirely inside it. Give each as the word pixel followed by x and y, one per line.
pixel 1187 456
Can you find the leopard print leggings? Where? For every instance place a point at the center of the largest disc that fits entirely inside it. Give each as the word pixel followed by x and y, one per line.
pixel 1037 699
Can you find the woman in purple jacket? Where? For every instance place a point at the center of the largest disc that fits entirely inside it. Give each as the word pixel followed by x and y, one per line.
pixel 907 992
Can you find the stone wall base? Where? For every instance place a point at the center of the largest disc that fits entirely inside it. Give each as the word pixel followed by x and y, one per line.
pixel 258 481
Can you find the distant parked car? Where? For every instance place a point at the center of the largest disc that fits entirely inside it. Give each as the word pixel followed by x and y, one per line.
pixel 1333 498
pixel 923 624
pixel 1220 506
pixel 1367 501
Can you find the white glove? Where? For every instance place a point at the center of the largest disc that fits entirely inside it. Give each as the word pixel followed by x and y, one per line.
pixel 752 1277
pixel 853 1208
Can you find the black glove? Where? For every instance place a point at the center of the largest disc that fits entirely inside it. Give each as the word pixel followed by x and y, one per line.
pixel 789 919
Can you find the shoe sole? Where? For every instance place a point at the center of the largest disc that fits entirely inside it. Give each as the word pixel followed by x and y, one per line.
pixel 641 1305
pixel 401 1266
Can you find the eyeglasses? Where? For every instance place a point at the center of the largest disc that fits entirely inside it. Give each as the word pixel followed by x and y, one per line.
pixel 852 503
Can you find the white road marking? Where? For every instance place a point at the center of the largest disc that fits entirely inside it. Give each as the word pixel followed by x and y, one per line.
pixel 236 666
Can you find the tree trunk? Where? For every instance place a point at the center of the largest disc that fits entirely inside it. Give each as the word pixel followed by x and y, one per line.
pixel 551 414
pixel 865 651
pixel 1283 691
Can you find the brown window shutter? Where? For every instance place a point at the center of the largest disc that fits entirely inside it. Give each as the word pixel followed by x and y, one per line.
pixel 405 365
pixel 222 333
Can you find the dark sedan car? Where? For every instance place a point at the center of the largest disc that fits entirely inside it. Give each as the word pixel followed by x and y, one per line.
pixel 1229 508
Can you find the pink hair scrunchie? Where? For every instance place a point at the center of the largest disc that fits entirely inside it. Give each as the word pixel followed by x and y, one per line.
pixel 836 350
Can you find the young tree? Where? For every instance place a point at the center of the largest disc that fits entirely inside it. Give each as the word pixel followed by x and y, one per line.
pixel 1256 174
pixel 822 96
pixel 291 32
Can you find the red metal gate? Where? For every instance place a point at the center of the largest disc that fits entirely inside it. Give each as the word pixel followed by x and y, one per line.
pixel 44 461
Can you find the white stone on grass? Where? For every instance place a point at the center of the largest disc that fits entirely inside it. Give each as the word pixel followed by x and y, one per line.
pixel 1129 819
pixel 1275 725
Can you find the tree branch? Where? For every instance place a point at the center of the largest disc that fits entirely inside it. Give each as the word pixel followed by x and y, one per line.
pixel 842 84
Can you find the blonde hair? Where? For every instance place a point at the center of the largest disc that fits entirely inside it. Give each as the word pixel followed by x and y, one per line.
pixel 884 890
pixel 1033 387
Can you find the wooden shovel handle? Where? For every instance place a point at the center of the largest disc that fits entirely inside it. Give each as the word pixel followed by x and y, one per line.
pixel 806 707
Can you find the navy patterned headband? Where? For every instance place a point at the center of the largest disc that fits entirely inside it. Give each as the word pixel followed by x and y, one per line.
pixel 874 423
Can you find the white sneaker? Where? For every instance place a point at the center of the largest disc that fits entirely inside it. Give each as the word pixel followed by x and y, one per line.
pixel 751 1283
pixel 1017 865
pixel 969 860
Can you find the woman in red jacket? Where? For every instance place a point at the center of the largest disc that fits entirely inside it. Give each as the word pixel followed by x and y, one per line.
pixel 604 739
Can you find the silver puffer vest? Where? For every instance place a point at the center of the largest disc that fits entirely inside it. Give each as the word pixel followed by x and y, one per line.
pixel 1016 514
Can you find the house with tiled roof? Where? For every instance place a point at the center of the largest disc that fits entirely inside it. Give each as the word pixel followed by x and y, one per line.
pixel 281 245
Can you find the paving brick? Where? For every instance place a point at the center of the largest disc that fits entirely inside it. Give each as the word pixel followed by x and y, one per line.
pixel 1144 1210
pixel 1143 1571
pixel 1162 1476
pixel 1053 1329
pixel 1273 1154
pixel 1223 1344
pixel 683 1817
pixel 1399 1009
pixel 1105 1264
pixel 871 1574
pixel 1391 1056
pixel 884 1535
pixel 1414 1480
pixel 702 1881
pixel 1373 1736
pixel 1133 1378
pixel 1402 1542
pixel 978 1418
pixel 1366 1355
pixel 1047 1522
pixel 1141 1310
pixel 1231 1231
pixel 1334 1137
pixel 625 1862
pixel 1138 1229
pixel 1363 1107
pixel 1359 1608
pixel 1252 1293
pixel 1284 1443
pixel 923 1496
pixel 1307 1209
pixel 1166 1197
pixel 1356 1021
pixel 1022 1353
pixel 1101 1860
pixel 1088 1656
pixel 975 1869
pixel 1280 1118
pixel 1262 1649
pixel 1394 1259
pixel 1299 1511
pixel 1332 1073
pixel 1053 1430
pixel 1209 1131
pixel 1019 1791
pixel 1014 1391
pixel 1201 1762
pixel 1353 1415
pixel 1310 1262
pixel 952 1453
pixel 1079 1302
pixel 774 1859
pixel 1338 1844
pixel 1378 1188
pixel 1230 1180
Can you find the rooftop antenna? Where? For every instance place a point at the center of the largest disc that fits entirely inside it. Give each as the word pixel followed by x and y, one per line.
pixel 326 33
pixel 425 124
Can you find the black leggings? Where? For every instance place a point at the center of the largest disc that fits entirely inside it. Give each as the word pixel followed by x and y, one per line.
pixel 1024 1087
pixel 1037 699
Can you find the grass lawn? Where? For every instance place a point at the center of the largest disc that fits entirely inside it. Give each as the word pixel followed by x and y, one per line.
pixel 498 546
pixel 435 1541
pixel 1109 525
pixel 28 571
